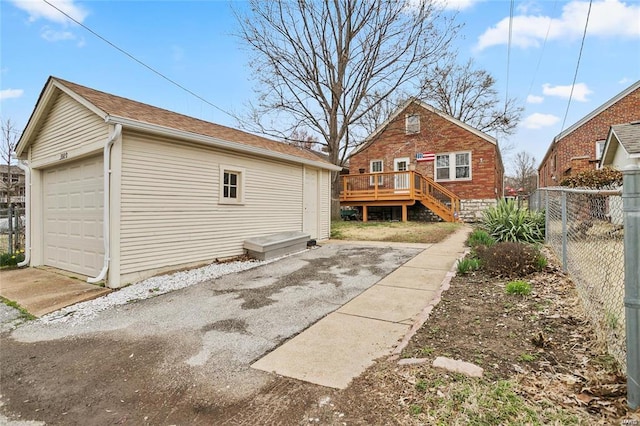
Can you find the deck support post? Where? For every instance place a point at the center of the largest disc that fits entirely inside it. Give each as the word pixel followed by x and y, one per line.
pixel 365 214
pixel 404 212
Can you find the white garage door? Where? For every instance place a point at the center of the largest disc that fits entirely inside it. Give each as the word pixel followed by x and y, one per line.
pixel 73 199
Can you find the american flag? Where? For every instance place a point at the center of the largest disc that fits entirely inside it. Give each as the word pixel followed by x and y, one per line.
pixel 425 156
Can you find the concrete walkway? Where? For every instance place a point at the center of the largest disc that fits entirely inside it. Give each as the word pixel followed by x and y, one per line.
pixel 343 344
pixel 41 291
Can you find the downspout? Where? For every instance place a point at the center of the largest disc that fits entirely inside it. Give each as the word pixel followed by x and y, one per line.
pixel 105 209
pixel 24 165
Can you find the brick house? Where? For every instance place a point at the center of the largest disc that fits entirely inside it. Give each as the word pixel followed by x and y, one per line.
pixel 11 184
pixel 420 161
pixel 580 146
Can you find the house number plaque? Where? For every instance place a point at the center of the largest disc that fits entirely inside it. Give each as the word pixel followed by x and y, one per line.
pixel 64 155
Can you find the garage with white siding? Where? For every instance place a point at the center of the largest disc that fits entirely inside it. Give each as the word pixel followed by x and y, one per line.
pixel 179 191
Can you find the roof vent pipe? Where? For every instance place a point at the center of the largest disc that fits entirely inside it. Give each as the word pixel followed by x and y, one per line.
pixel 105 208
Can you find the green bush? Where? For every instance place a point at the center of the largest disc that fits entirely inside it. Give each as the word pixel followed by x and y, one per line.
pixel 507 222
pixel 509 259
pixel 7 259
pixel 519 287
pixel 480 237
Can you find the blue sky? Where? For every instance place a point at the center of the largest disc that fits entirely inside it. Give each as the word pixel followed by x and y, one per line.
pixel 192 42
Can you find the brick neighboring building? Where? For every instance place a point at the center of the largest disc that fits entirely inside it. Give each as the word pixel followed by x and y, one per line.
pixel 464 160
pixel 580 147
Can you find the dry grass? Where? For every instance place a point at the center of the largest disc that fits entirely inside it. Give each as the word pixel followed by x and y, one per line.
pixel 402 232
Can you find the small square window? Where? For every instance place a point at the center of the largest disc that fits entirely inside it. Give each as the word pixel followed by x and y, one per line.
pixel 412 123
pixel 231 185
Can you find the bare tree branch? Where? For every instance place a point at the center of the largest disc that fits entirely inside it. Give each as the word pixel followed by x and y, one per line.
pixel 316 62
pixel 10 138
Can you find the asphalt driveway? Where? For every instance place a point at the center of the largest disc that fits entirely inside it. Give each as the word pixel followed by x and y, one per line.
pixel 184 356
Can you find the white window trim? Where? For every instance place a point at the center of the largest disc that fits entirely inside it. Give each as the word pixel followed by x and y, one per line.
pixel 452 167
pixel 406 124
pixel 598 151
pixel 239 200
pixel 380 178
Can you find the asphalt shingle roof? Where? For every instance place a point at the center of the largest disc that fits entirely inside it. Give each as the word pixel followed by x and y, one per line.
pixel 127 108
pixel 629 136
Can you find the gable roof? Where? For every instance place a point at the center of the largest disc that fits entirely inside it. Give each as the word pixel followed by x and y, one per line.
pixel 588 117
pixel 133 114
pixel 628 136
pixel 371 138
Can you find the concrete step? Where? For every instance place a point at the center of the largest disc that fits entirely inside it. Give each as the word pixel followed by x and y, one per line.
pixel 276 245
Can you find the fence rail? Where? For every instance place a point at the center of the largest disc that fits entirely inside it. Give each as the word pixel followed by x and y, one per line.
pixel 585 230
pixel 11 229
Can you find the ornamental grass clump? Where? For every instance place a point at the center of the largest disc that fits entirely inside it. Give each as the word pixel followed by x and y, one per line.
pixel 480 237
pixel 508 222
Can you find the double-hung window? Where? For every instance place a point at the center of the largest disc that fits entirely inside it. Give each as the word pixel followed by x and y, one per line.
pixel 231 185
pixel 376 166
pixel 453 166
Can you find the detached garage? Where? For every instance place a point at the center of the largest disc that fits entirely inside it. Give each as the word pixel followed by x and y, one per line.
pixel 166 190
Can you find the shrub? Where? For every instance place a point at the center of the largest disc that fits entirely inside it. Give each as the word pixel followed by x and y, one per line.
pixel 507 222
pixel 7 259
pixel 509 259
pixel 467 265
pixel 605 178
pixel 480 237
pixel 519 287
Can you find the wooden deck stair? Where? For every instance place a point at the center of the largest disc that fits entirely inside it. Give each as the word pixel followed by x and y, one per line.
pixel 399 189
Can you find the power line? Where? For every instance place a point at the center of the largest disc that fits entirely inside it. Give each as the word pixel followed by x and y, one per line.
pixel 506 97
pixel 150 68
pixel 575 76
pixel 544 44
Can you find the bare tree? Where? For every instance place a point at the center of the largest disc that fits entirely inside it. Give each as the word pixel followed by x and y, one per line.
pixel 315 62
pixel 302 139
pixel 10 137
pixel 525 172
pixel 469 94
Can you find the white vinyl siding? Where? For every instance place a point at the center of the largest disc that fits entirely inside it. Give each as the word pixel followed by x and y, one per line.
pixel 67 126
pixel 325 205
pixel 170 210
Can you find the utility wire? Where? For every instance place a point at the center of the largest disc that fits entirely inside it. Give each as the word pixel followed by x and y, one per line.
pixel 150 68
pixel 575 76
pixel 544 44
pixel 506 96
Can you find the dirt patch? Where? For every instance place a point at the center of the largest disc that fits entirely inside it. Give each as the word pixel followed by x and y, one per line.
pixel 541 363
pixel 404 232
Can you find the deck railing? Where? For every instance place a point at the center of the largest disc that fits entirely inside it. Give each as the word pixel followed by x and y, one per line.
pixel 397 186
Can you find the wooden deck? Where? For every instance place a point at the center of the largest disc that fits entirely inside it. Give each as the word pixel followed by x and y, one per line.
pixel 399 189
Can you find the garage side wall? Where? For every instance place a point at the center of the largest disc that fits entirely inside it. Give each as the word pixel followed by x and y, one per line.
pixel 171 212
pixel 69 130
pixel 325 205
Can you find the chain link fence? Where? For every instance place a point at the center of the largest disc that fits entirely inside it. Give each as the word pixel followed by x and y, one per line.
pixel 11 230
pixel 585 230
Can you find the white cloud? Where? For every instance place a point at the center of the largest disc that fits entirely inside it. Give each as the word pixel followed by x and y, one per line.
pixel 609 18
pixel 625 80
pixel 40 9
pixel 52 35
pixel 580 91
pixel 538 120
pixel 10 93
pixel 456 4
pixel 533 99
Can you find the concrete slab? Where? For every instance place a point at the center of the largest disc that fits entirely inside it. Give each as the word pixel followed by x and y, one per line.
pixel 42 291
pixel 384 303
pixel 334 350
pixel 416 278
pixel 433 261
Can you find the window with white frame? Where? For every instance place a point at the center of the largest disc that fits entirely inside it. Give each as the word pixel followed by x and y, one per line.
pixel 412 123
pixel 376 166
pixel 231 185
pixel 600 149
pixel 453 166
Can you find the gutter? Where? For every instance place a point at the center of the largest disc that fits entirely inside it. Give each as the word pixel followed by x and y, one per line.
pixel 216 142
pixel 24 165
pixel 105 209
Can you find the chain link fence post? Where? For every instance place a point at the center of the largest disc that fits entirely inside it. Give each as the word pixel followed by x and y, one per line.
pixel 563 209
pixel 631 209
